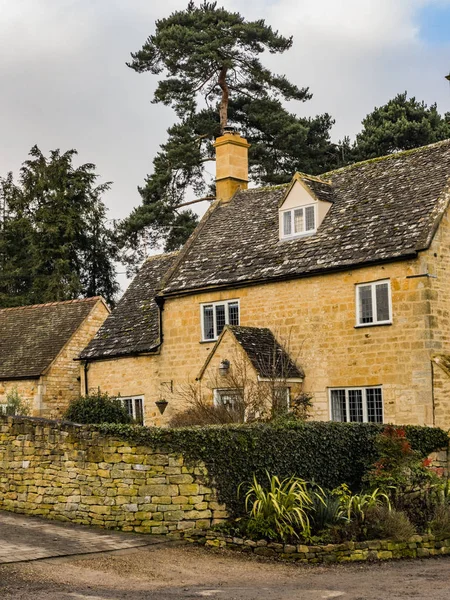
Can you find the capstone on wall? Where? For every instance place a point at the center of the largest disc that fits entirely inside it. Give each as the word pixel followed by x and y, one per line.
pixel 71 473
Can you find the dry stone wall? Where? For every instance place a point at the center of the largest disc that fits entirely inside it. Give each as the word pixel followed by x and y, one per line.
pixel 72 473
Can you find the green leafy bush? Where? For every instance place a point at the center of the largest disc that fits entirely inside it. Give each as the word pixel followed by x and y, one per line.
pixel 327 509
pixel 97 408
pixel 279 511
pixel 324 452
pixel 404 475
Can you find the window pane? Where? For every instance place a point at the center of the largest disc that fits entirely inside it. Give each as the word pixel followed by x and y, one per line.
pixel 128 403
pixel 138 411
pixel 374 405
pixel 228 398
pixel 287 227
pixel 338 408
pixel 208 323
pixel 310 221
pixel 382 296
pixel 365 304
pixel 355 405
pixel 220 318
pixel 233 313
pixel 281 397
pixel 298 220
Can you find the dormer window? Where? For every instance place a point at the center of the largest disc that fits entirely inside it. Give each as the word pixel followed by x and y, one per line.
pixel 298 221
pixel 304 206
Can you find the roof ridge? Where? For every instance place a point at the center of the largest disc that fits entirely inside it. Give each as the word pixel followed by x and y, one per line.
pixel 393 155
pixel 57 303
pixel 161 255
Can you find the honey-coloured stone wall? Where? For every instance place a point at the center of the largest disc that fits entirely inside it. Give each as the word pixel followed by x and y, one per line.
pixel 72 473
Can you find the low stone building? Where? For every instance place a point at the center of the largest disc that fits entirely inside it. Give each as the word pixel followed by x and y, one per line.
pixel 349 270
pixel 38 347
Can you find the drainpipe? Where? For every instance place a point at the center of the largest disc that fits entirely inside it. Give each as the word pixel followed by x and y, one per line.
pixel 86 385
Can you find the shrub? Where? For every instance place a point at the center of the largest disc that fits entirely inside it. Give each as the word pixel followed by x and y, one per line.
pixel 97 408
pixel 402 472
pixel 324 452
pixel 15 404
pixel 440 525
pixel 384 522
pixel 357 506
pixel 327 510
pixel 279 511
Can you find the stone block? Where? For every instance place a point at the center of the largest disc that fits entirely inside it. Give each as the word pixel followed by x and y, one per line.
pixel 159 490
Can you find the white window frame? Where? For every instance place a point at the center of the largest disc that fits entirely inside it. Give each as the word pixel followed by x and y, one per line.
pixel 364 402
pixel 225 303
pixel 133 405
pixel 303 233
pixel 373 285
pixel 217 395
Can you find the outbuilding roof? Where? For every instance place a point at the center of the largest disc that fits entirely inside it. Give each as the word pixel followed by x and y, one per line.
pixel 381 210
pixel 269 359
pixel 31 337
pixel 133 326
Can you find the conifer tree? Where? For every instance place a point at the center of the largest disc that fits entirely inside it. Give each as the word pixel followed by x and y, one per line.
pixel 54 243
pixel 401 124
pixel 210 72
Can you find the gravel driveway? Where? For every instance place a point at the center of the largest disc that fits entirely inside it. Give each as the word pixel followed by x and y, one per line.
pixel 181 572
pixel 67 562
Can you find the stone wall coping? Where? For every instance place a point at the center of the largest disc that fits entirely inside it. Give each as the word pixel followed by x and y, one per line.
pixel 418 546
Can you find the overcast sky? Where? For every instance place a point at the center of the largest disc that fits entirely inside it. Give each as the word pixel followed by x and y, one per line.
pixel 64 82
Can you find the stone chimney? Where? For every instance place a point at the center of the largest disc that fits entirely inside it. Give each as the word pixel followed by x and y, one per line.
pixel 231 164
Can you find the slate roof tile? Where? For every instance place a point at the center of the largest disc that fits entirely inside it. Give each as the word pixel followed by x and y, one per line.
pixel 133 326
pixel 31 337
pixel 267 356
pixel 383 209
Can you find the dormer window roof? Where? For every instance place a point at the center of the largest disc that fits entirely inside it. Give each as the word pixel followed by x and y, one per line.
pixel 304 206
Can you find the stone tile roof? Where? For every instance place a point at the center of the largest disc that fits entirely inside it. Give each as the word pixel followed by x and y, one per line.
pixel 267 356
pixel 31 337
pixel 384 209
pixel 133 327
pixel 322 190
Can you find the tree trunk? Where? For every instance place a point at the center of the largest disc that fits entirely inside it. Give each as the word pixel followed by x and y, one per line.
pixel 223 111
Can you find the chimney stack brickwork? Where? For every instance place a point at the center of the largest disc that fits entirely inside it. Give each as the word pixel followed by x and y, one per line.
pixel 231 165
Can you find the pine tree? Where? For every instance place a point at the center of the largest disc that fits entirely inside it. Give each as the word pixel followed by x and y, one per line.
pixel 401 124
pixel 208 60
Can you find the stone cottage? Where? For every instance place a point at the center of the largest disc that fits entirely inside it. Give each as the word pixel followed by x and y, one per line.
pixel 349 273
pixel 38 348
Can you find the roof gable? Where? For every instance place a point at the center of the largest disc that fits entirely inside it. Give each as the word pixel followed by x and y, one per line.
pixel 267 357
pixel 133 326
pixel 382 210
pixel 31 337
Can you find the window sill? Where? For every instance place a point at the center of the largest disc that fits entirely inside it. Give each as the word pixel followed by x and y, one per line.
pixel 208 341
pixel 363 326
pixel 290 238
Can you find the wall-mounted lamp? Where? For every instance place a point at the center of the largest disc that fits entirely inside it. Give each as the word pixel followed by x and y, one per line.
pixel 224 367
pixel 162 405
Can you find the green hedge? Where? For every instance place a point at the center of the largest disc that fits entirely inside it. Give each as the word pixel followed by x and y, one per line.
pixel 325 452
